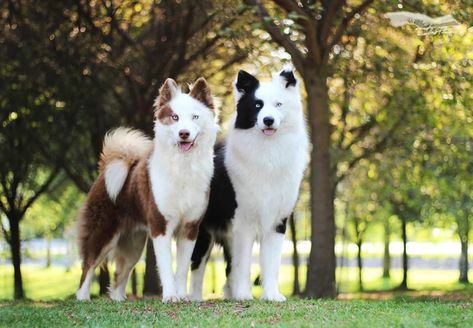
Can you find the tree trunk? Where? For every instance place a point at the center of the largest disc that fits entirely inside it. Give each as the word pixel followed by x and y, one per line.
pixel 295 256
pixel 464 262
pixel 15 246
pixel 48 251
pixel 151 285
pixel 321 269
pixel 403 284
pixel 387 254
pixel 463 230
pixel 359 260
pixel 104 278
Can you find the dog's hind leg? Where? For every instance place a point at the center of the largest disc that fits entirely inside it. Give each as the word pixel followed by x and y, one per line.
pixel 127 253
pixel 83 294
pixel 199 259
pixel 227 254
pixel 88 268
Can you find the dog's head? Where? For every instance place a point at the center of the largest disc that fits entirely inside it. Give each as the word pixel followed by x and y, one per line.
pixel 266 106
pixel 182 120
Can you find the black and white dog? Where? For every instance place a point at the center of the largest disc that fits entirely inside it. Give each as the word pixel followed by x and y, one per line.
pixel 258 171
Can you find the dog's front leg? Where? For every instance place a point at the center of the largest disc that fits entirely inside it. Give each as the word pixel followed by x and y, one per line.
pixel 243 239
pixel 185 246
pixel 270 259
pixel 162 249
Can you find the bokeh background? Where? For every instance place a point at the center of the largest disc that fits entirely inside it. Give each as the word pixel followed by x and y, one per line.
pixel 386 204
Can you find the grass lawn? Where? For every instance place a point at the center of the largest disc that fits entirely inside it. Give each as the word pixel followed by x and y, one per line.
pixel 55 283
pixel 293 313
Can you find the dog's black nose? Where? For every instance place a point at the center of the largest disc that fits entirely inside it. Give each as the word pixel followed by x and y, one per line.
pixel 268 121
pixel 184 134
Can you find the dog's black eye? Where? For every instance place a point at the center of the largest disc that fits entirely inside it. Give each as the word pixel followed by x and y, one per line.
pixel 175 117
pixel 278 104
pixel 195 117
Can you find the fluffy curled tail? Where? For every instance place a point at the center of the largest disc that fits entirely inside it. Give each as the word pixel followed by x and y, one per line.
pixel 122 147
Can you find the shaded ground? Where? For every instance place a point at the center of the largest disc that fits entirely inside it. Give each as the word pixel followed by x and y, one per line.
pixel 413 295
pixel 404 312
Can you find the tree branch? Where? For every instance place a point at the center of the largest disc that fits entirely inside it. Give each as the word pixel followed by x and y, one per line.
pixel 345 22
pixel 40 191
pixel 369 151
pixel 283 40
pixel 5 233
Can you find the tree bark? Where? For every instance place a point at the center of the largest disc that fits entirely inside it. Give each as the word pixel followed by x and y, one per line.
pixel 387 254
pixel 463 230
pixel 48 251
pixel 151 285
pixel 359 260
pixel 405 263
pixel 321 269
pixel 296 290
pixel 15 246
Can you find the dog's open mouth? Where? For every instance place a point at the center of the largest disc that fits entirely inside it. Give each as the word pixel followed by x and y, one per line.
pixel 185 145
pixel 269 131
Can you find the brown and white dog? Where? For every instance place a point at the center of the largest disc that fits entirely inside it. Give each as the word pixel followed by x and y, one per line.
pixel 158 188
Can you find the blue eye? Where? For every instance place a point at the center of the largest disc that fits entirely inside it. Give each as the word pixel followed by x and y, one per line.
pixel 175 117
pixel 258 105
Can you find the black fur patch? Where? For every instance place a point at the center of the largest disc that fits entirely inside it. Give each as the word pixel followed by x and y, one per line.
pixel 202 245
pixel 289 77
pixel 220 211
pixel 248 105
pixel 281 227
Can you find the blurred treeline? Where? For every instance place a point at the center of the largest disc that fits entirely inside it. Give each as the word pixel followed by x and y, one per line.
pixel 398 104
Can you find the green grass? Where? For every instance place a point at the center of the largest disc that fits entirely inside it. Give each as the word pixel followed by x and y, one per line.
pixel 56 283
pixel 293 313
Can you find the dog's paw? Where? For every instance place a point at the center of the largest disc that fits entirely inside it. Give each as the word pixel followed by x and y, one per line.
pixel 183 298
pixel 273 297
pixel 170 299
pixel 242 296
pixel 116 295
pixel 81 296
pixel 195 297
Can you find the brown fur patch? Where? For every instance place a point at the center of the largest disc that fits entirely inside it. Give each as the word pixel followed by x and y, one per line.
pixel 164 113
pixel 192 229
pixel 201 92
pixel 168 90
pixel 100 219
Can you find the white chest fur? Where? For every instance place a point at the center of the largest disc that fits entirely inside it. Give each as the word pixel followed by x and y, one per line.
pixel 180 182
pixel 266 173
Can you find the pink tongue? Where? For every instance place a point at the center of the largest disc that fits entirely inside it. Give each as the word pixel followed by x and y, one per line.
pixel 269 132
pixel 185 146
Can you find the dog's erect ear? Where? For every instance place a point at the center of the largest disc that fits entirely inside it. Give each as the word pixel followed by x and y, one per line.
pixel 288 78
pixel 168 90
pixel 245 82
pixel 201 91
